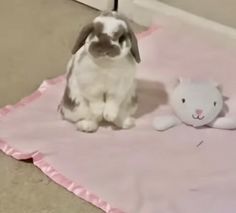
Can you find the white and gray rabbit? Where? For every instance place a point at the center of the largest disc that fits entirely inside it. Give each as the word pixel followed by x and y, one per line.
pixel 101 75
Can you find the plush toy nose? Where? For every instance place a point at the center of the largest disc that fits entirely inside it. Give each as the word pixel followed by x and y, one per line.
pixel 199 111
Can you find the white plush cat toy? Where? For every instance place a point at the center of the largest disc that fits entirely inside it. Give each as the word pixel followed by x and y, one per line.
pixel 195 103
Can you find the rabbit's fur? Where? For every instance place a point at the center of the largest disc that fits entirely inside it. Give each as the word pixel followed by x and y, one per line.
pixel 101 75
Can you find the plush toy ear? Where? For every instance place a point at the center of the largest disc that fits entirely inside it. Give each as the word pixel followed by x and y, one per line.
pixel 217 85
pixel 184 80
pixel 178 81
pixel 224 111
pixel 173 83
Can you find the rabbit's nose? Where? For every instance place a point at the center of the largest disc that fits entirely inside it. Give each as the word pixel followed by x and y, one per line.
pixel 199 111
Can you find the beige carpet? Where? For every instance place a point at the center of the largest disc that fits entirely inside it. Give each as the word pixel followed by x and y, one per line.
pixel 36 39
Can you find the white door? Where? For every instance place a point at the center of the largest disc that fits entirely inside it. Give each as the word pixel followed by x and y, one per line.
pixel 99 4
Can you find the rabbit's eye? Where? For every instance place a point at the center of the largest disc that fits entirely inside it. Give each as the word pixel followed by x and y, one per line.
pixel 215 103
pixel 183 100
pixel 121 39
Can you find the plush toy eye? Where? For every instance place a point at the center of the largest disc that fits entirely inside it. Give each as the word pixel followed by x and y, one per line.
pixel 183 100
pixel 215 103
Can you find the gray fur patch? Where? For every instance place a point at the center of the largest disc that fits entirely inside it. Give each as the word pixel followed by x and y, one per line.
pixel 103 46
pixel 98 28
pixel 134 100
pixel 67 101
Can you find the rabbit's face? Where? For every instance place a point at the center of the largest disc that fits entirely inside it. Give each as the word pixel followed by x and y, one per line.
pixel 108 36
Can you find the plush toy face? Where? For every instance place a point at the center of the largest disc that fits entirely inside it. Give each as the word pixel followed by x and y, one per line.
pixel 196 103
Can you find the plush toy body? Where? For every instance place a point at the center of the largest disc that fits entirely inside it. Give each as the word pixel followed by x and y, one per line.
pixel 195 103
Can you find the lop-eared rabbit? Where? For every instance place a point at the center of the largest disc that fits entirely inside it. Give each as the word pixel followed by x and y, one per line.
pixel 101 75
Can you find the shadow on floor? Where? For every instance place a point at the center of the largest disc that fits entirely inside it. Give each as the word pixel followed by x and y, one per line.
pixel 151 95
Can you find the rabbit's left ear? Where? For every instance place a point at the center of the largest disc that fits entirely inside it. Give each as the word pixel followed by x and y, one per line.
pixel 134 45
pixel 86 30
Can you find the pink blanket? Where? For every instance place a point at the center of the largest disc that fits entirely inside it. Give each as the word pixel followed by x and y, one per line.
pixel 182 170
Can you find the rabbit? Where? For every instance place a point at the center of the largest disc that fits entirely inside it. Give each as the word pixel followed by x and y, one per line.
pixel 101 73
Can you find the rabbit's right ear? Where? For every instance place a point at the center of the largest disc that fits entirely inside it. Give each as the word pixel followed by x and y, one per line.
pixel 86 30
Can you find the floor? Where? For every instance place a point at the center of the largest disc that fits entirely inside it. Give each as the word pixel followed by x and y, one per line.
pixel 36 39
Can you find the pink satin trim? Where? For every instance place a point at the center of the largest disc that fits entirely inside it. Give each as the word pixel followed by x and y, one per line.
pixel 43 87
pixel 37 157
pixel 80 191
pixel 148 32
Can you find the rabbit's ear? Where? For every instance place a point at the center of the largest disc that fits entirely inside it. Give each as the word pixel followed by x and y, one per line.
pixel 134 45
pixel 86 30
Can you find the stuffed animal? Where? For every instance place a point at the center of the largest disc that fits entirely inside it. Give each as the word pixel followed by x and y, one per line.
pixel 196 103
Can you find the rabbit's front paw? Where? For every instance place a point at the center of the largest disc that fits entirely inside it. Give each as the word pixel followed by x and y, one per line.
pixel 97 109
pixel 110 112
pixel 87 126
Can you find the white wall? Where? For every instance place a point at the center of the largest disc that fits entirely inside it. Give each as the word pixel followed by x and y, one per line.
pixel 99 4
pixel 144 12
pixel 140 11
pixel 222 11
